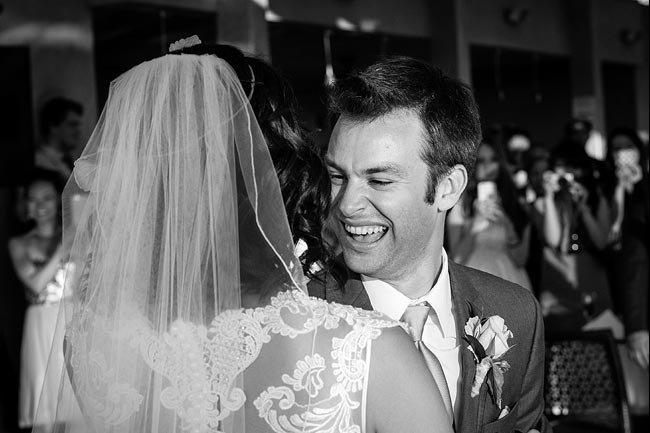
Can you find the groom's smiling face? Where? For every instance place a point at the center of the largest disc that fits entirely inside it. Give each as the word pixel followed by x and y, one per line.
pixel 379 181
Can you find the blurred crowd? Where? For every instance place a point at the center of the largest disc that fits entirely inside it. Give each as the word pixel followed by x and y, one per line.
pixel 36 256
pixel 568 226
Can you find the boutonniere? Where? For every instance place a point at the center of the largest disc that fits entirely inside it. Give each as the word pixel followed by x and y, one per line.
pixel 488 342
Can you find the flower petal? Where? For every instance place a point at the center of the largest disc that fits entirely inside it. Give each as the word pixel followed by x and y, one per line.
pixel 471 325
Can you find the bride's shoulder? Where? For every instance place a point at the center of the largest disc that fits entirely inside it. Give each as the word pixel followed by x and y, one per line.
pixel 317 312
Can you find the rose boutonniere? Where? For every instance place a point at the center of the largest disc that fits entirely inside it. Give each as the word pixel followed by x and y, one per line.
pixel 488 342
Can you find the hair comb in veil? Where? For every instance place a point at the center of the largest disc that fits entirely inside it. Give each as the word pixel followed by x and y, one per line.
pixel 184 43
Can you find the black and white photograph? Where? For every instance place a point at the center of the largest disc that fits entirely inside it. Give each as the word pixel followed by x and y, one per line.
pixel 324 216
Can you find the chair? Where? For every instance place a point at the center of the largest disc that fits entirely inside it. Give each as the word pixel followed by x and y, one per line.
pixel 584 387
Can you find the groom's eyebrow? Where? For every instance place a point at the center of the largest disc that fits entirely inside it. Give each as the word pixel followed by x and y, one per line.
pixel 387 168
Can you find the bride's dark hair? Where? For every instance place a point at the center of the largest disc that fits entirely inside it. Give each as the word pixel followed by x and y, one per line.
pixel 302 174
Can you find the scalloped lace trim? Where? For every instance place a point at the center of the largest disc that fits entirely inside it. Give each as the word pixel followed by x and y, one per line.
pixel 202 364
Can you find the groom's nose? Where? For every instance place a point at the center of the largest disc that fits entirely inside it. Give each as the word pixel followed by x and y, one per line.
pixel 350 200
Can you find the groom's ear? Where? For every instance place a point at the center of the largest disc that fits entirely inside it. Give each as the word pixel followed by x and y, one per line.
pixel 451 187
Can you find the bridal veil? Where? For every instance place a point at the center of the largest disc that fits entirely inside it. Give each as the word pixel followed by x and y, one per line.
pixel 182 221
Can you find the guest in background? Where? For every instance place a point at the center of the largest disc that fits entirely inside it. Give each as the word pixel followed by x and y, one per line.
pixel 578 131
pixel 38 262
pixel 537 163
pixel 517 145
pixel 629 238
pixel 488 229
pixel 60 123
pixel 576 219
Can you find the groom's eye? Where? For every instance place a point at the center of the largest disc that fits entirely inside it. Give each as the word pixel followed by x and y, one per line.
pixel 379 183
pixel 336 178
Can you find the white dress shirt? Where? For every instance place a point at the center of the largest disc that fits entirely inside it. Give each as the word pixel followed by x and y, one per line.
pixel 439 333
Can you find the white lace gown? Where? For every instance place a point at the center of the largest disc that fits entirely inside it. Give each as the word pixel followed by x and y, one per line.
pixel 299 364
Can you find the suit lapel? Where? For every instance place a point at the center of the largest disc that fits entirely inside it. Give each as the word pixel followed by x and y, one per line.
pixel 356 294
pixel 463 291
pixel 353 292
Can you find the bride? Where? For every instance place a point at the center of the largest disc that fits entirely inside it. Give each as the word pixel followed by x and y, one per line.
pixel 190 312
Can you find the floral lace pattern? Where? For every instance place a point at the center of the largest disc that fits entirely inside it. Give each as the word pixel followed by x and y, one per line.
pixel 202 365
pixel 103 398
pixel 330 411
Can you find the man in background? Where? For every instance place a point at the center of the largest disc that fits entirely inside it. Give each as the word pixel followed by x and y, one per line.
pixel 60 122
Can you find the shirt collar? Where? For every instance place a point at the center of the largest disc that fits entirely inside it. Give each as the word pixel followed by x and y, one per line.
pixel 388 300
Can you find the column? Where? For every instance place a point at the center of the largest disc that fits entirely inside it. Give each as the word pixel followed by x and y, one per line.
pixel 242 23
pixel 585 65
pixel 450 51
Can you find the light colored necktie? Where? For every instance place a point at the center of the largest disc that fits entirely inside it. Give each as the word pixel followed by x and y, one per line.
pixel 415 316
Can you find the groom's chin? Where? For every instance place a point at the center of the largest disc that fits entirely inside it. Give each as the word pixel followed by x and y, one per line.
pixel 366 264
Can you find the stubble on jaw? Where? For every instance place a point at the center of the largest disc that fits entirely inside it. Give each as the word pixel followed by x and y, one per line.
pixel 387 150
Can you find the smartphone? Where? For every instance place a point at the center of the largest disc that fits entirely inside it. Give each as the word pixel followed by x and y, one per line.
pixel 486 190
pixel 626 157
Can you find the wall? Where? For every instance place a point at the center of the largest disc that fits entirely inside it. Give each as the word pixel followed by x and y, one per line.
pixel 187 4
pixel 403 17
pixel 613 16
pixel 642 87
pixel 59 35
pixel 544 28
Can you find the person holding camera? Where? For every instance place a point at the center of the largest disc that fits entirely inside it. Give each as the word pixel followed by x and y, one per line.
pixel 488 230
pixel 575 219
pixel 628 237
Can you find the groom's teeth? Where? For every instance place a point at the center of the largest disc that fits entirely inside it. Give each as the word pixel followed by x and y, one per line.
pixel 364 230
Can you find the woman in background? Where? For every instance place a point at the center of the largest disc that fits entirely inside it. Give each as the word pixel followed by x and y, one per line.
pixel 537 163
pixel 576 218
pixel 38 261
pixel 628 238
pixel 488 229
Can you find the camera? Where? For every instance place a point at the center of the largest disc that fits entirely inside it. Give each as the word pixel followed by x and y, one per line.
pixel 564 179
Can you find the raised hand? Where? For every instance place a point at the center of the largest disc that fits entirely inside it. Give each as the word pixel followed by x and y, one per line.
pixel 490 209
pixel 637 347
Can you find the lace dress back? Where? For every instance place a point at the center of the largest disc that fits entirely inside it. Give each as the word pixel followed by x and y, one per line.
pixel 299 364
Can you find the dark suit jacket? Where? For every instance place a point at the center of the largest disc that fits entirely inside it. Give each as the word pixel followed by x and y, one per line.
pixel 524 382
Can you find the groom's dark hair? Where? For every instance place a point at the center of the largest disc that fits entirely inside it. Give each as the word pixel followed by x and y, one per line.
pixel 445 106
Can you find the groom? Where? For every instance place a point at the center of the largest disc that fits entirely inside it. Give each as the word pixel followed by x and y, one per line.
pixel 399 158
